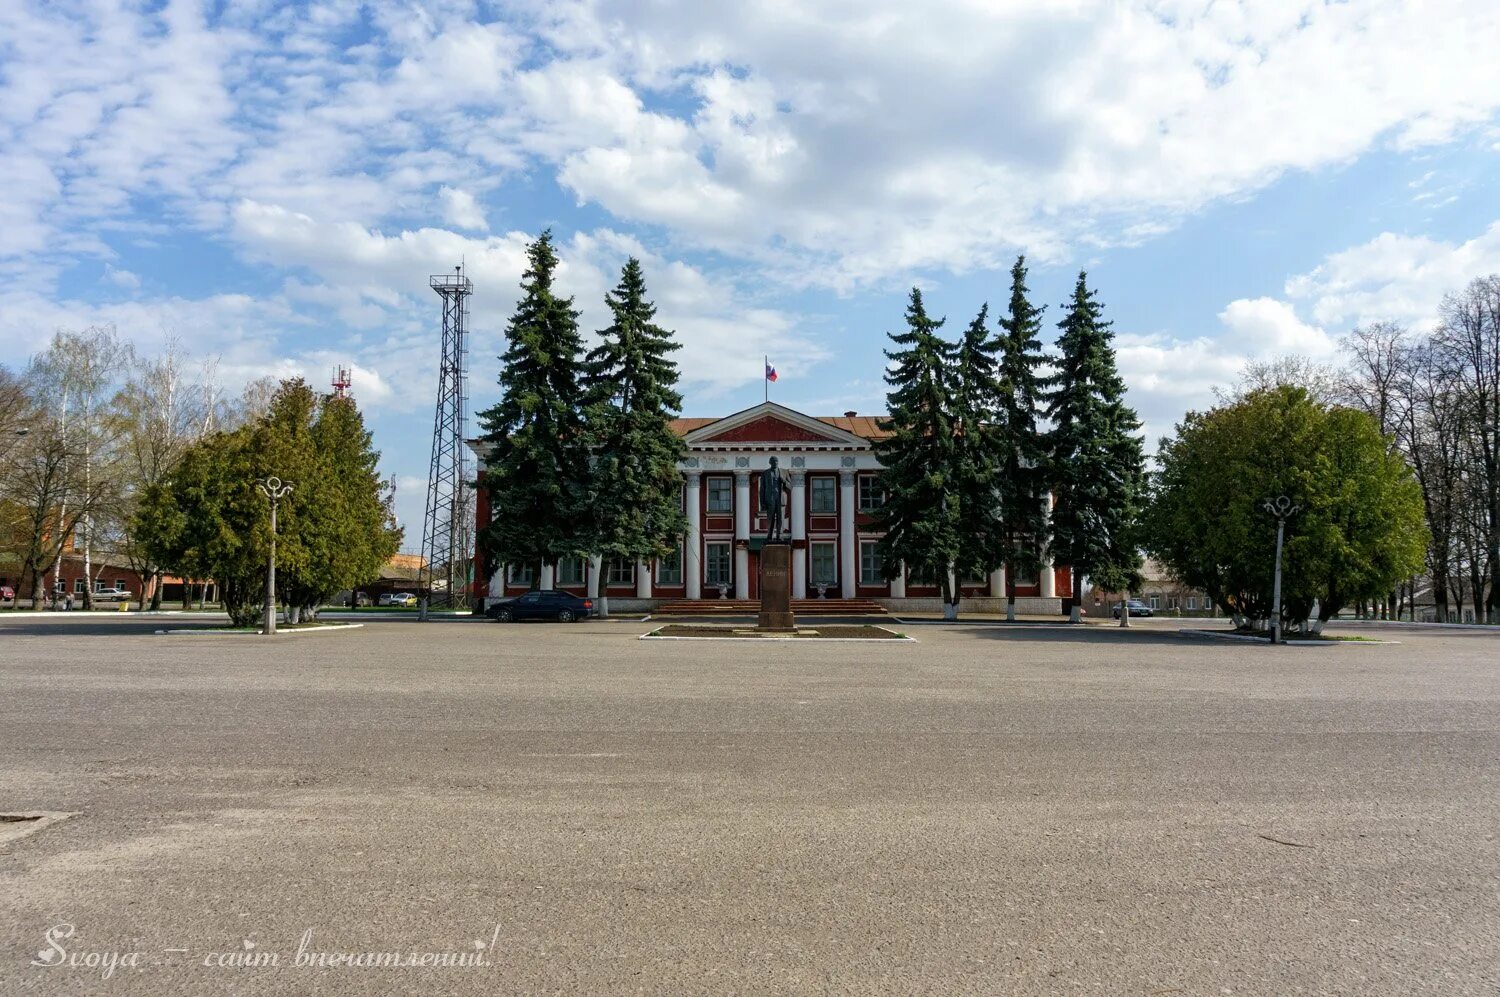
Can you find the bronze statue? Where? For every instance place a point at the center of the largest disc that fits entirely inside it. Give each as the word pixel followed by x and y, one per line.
pixel 772 484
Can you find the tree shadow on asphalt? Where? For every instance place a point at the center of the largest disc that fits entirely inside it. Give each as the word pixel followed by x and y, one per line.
pixel 1065 634
pixel 97 628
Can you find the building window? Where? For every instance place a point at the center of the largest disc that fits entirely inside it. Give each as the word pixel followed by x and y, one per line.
pixel 1155 602
pixel 823 560
pixel 718 563
pixel 669 568
pixel 823 496
pixel 570 571
pixel 870 563
pixel 520 574
pixel 720 494
pixel 1023 576
pixel 621 571
pixel 59 586
pixel 119 583
pixel 1171 602
pixel 920 575
pixel 872 493
pixel 81 584
pixel 1192 603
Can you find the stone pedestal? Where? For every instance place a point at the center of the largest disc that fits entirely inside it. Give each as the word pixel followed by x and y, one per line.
pixel 776 588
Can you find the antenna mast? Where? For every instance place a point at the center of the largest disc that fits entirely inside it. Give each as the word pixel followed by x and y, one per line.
pixel 446 533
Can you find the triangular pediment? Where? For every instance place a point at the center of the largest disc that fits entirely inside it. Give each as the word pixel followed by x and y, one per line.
pixel 769 423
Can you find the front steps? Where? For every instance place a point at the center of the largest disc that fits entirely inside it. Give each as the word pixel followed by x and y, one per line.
pixel 750 607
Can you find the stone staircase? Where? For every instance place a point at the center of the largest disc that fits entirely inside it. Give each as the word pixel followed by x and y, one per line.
pixel 750 607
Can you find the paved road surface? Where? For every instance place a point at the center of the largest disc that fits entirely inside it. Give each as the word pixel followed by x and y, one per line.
pixel 990 810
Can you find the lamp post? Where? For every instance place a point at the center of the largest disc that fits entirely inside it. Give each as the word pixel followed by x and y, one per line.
pixel 1282 508
pixel 274 489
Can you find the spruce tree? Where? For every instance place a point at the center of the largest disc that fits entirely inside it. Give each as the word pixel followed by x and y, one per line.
pixel 630 399
pixel 537 468
pixel 978 442
pixel 1095 457
pixel 921 513
pixel 1023 479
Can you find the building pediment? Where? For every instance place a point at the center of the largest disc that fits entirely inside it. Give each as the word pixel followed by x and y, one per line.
pixel 769 424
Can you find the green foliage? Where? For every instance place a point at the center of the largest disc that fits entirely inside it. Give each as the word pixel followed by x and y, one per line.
pixel 1095 454
pixel 537 470
pixel 630 399
pixel 921 514
pixel 979 446
pixel 1022 482
pixel 1359 529
pixel 206 519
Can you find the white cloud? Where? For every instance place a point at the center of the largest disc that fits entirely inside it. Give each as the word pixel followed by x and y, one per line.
pixel 868 141
pixel 461 210
pixel 828 142
pixel 121 278
pixel 1393 277
pixel 1265 327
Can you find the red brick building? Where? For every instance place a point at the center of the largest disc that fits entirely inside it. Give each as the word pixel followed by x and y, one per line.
pixel 834 479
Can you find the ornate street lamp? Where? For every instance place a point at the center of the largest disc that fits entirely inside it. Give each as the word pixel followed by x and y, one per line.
pixel 1283 509
pixel 274 489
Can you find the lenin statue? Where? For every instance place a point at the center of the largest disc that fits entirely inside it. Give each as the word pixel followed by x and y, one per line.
pixel 772 483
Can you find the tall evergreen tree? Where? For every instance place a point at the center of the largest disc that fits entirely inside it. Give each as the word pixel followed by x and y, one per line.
pixel 978 443
pixel 537 468
pixel 1096 460
pixel 921 513
pixel 1023 479
pixel 630 399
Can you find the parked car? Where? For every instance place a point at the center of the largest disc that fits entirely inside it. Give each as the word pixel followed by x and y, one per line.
pixel 396 599
pixel 362 599
pixel 542 605
pixel 7 594
pixel 111 595
pixel 1137 608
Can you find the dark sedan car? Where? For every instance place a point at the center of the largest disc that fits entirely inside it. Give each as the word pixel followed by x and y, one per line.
pixel 1137 608
pixel 543 605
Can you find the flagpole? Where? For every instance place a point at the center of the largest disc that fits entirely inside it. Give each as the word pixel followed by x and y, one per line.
pixel 766 380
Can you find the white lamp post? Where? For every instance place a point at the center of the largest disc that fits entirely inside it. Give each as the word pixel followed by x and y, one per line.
pixel 274 489
pixel 1283 509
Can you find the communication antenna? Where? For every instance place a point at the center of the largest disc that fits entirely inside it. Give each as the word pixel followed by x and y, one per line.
pixel 342 379
pixel 446 536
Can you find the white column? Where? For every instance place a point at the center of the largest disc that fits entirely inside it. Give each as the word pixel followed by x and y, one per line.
pixel 1048 579
pixel 692 555
pixel 799 532
pixel 643 579
pixel 549 576
pixel 848 566
pixel 741 533
pixel 898 584
pixel 997 583
pixel 596 565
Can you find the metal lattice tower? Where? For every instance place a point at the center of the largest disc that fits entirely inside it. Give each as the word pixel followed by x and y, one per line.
pixel 446 526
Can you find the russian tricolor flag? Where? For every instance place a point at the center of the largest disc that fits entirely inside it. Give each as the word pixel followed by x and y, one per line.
pixel 770 371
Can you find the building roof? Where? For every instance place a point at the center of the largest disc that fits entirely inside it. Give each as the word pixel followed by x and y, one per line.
pixel 866 426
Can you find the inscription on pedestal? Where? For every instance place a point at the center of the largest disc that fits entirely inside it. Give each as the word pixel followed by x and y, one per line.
pixel 776 587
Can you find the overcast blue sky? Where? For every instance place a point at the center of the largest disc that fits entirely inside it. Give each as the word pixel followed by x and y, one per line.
pixel 273 183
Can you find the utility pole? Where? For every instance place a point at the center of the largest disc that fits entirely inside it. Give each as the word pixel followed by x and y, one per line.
pixel 1283 509
pixel 274 489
